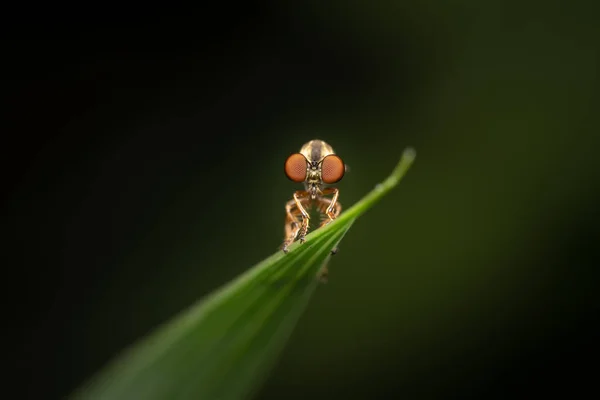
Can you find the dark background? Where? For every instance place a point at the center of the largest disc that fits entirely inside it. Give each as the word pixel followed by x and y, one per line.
pixel 142 168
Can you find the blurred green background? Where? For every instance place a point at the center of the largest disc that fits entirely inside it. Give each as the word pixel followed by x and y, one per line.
pixel 149 172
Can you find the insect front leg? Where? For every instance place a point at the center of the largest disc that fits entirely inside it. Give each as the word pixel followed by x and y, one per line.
pixel 293 222
pixel 329 208
pixel 296 220
pixel 329 211
pixel 299 197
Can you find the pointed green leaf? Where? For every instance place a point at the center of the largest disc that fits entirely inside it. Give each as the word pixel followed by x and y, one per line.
pixel 223 346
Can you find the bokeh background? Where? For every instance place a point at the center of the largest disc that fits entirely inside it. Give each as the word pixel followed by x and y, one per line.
pixel 143 169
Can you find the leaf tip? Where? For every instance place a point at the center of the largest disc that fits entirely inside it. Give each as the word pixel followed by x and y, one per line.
pixel 409 154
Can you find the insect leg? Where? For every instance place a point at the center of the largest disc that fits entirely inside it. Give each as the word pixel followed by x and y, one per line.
pixel 323 274
pixel 296 220
pixel 292 223
pixel 329 211
pixel 329 208
pixel 299 198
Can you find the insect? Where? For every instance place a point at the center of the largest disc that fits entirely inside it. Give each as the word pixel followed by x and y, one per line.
pixel 318 167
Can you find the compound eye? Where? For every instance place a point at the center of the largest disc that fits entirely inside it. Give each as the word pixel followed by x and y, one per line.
pixel 295 167
pixel 332 169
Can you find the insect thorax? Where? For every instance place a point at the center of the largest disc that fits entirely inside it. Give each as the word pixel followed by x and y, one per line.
pixel 316 150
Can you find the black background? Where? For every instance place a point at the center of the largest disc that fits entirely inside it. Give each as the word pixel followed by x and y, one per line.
pixel 142 155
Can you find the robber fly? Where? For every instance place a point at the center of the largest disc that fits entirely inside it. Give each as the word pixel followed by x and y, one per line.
pixel 317 166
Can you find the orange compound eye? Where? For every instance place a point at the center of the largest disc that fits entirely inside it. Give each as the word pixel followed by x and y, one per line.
pixel 295 167
pixel 332 169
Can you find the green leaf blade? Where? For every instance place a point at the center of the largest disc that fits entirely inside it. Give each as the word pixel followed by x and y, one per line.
pixel 224 346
